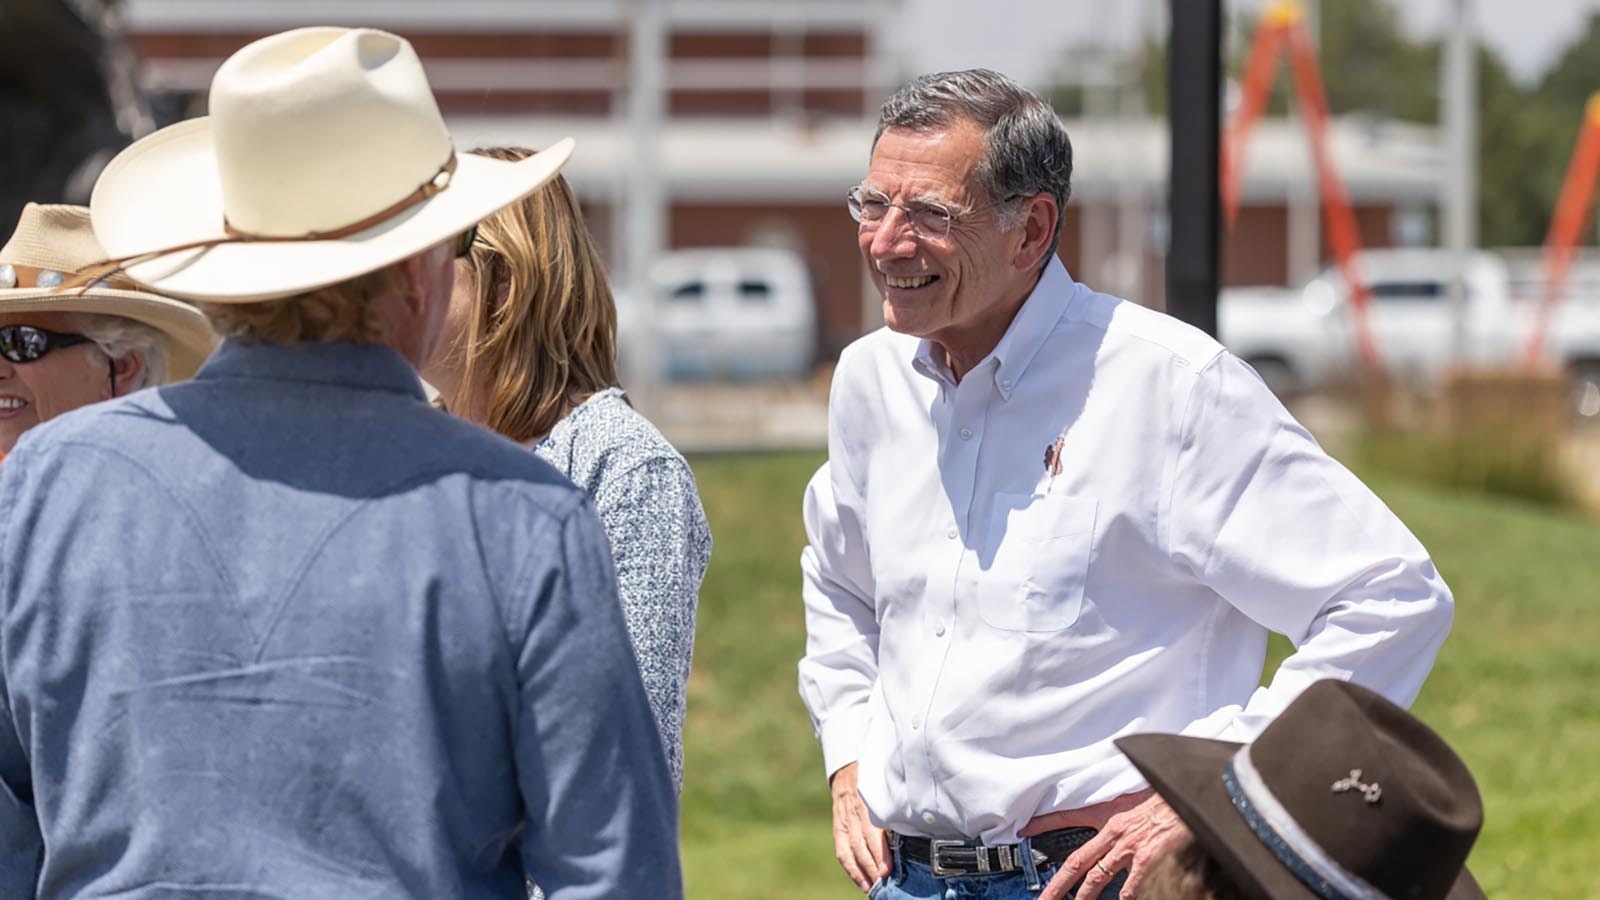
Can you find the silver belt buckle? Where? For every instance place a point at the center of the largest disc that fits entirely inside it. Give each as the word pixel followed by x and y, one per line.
pixel 935 854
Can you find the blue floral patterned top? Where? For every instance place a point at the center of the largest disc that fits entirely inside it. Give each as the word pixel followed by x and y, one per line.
pixel 647 501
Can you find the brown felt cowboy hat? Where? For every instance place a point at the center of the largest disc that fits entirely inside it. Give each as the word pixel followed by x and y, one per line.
pixel 38 273
pixel 324 158
pixel 1344 795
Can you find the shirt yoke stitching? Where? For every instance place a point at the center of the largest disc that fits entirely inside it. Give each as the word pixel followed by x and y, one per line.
pixel 562 519
pixel 334 527
pixel 191 515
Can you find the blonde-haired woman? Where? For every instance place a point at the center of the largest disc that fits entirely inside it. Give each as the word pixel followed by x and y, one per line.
pixel 529 350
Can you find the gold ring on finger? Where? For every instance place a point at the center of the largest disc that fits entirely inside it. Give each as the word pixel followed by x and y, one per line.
pixel 1102 867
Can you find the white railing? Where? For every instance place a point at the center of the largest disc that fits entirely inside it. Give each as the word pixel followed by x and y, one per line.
pixel 470 15
pixel 600 74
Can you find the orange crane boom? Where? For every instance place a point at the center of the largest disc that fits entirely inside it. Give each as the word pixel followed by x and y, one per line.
pixel 1283 26
pixel 1566 227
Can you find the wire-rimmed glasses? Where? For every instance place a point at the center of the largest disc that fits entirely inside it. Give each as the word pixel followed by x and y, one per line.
pixel 929 219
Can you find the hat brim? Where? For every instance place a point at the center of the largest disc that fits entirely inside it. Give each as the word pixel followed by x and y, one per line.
pixel 164 191
pixel 189 336
pixel 1187 773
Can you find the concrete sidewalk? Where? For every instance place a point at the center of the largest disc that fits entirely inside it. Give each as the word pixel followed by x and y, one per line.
pixel 728 417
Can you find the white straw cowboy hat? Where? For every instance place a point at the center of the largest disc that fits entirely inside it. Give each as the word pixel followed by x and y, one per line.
pixel 37 269
pixel 324 158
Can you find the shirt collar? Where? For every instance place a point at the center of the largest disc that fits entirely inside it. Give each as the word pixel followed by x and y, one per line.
pixel 361 366
pixel 1023 338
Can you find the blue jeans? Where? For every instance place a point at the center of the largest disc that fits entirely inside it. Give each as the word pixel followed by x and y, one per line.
pixel 915 881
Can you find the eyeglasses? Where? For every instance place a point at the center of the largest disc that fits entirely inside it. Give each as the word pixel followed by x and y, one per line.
pixel 928 219
pixel 25 343
pixel 464 242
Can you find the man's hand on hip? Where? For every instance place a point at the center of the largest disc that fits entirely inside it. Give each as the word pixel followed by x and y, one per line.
pixel 861 847
pixel 1130 838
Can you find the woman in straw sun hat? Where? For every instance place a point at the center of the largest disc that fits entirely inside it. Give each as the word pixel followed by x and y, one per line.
pixel 317 639
pixel 1344 796
pixel 64 347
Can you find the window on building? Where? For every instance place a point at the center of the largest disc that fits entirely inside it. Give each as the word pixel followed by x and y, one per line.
pixel 1404 291
pixel 688 292
pixel 754 291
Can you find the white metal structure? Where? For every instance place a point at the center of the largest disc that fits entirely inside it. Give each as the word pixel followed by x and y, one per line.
pixel 754 160
pixel 784 69
pixel 465 15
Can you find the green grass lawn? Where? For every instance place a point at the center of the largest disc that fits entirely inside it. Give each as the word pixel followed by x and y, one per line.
pixel 1516 689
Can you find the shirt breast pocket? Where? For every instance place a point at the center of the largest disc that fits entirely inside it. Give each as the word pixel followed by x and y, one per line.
pixel 1036 579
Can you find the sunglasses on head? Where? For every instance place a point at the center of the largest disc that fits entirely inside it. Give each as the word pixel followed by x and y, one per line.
pixel 26 343
pixel 464 242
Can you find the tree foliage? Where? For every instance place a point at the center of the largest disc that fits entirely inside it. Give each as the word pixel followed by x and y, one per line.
pixel 1523 144
pixel 1557 113
pixel 1369 63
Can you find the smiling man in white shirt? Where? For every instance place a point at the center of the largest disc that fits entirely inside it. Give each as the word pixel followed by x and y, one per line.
pixel 1050 518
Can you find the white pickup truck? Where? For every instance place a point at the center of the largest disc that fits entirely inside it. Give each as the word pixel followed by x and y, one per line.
pixel 1302 338
pixel 735 313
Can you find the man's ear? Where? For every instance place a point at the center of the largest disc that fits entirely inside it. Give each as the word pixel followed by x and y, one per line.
pixel 126 370
pixel 1038 227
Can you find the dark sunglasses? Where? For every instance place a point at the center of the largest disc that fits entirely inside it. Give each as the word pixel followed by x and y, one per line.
pixel 464 242
pixel 25 343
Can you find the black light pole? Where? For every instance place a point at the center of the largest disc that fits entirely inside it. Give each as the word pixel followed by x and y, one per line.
pixel 1194 203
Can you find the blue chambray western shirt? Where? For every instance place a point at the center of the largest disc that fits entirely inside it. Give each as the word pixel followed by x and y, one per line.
pixel 285 631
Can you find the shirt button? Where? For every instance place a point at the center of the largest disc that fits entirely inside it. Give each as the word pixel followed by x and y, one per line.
pixel 966 434
pixel 952 533
pixel 939 632
pixel 929 818
pixel 916 722
pixel 1005 385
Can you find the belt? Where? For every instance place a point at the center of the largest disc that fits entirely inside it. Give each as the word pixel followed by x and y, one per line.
pixel 966 857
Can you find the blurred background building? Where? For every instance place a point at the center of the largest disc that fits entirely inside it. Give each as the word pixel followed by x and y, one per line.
pixel 764 105
pixel 766 115
pixel 717 139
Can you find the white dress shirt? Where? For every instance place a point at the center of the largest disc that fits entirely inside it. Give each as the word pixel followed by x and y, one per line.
pixel 979 628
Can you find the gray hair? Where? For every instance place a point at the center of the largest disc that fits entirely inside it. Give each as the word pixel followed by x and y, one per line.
pixel 1027 151
pixel 118 337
